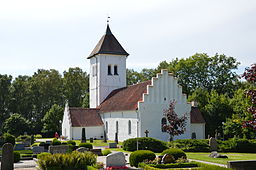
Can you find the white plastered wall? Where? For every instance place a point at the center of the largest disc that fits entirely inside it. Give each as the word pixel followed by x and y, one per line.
pixel 199 129
pixel 164 89
pixel 91 132
pixel 102 84
pixel 123 118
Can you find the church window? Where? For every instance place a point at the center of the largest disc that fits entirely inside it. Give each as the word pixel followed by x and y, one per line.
pixel 116 126
pixel 163 123
pixel 115 70
pixel 94 71
pixel 106 127
pixel 129 127
pixel 109 70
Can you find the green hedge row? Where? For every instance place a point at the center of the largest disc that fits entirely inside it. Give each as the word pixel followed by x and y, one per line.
pixel 144 143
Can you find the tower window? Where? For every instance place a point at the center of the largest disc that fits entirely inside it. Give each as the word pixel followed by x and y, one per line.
pixel 109 70
pixel 129 127
pixel 115 70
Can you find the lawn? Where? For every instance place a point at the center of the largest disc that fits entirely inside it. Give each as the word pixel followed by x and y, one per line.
pixel 231 157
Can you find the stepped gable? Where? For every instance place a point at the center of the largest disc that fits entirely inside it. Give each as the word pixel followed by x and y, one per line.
pixel 83 117
pixel 108 44
pixel 124 98
pixel 196 116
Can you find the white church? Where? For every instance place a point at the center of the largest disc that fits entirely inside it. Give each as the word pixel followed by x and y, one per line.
pixel 127 110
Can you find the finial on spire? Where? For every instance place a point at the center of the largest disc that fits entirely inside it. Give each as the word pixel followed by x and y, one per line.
pixel 108 19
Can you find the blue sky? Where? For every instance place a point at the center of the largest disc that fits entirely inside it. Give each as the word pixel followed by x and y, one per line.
pixel 60 34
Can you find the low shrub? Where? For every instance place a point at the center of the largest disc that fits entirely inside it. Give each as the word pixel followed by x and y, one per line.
pixel 64 143
pixel 173 165
pixel 75 161
pixel 86 145
pixel 35 144
pixel 238 145
pixel 191 145
pixel 8 138
pixel 16 156
pixel 42 143
pixel 22 138
pixel 43 154
pixel 139 156
pixel 71 142
pixel 56 142
pixel 106 152
pixel 175 152
pixel 145 143
pixel 38 136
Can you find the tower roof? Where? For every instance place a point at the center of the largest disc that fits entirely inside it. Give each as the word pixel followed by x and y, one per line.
pixel 108 44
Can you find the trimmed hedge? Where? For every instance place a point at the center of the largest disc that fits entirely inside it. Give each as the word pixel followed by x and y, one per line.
pixel 191 145
pixel 56 142
pixel 75 161
pixel 238 145
pixel 86 145
pixel 172 165
pixel 139 156
pixel 175 152
pixel 145 143
pixel 71 142
pixel 16 156
pixel 106 152
pixel 7 138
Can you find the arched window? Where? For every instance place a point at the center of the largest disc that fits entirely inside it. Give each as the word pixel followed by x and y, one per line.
pixel 109 70
pixel 129 127
pixel 163 123
pixel 106 127
pixel 116 126
pixel 115 70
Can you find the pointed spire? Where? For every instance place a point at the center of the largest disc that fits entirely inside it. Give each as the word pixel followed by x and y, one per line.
pixel 108 31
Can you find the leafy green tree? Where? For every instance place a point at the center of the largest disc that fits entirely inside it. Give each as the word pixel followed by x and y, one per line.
pixel 132 77
pixel 52 120
pixel 16 124
pixel 5 86
pixel 86 101
pixel 76 85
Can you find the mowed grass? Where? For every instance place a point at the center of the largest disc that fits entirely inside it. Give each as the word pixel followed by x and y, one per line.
pixel 231 157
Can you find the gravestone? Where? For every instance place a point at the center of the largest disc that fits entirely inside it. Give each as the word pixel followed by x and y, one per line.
pixel 105 136
pixel 37 149
pixel 83 140
pixel 19 147
pixel 7 157
pixel 83 149
pixel 116 137
pixel 58 149
pixel 242 164
pixel 213 144
pixel 215 154
pixel 112 145
pixel 91 140
pixel 96 151
pixel 167 159
pixel 115 159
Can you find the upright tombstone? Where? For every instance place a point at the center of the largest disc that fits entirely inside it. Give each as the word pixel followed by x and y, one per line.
pixel 105 136
pixel 83 140
pixel 116 137
pixel 91 140
pixel 115 160
pixel 7 157
pixel 213 144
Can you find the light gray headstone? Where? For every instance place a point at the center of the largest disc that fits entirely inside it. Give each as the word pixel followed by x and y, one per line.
pixel 115 159
pixel 58 149
pixel 37 149
pixel 112 145
pixel 19 147
pixel 213 144
pixel 7 157
pixel 82 149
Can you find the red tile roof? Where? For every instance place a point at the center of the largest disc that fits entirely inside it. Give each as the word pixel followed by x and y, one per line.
pixel 83 117
pixel 196 116
pixel 124 98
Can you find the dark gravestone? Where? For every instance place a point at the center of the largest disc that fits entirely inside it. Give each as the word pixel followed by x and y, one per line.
pixel 37 149
pixel 193 136
pixel 83 140
pixel 96 152
pixel 7 157
pixel 105 136
pixel 58 149
pixel 19 147
pixel 91 140
pixel 213 144
pixel 82 149
pixel 112 145
pixel 116 137
pixel 146 132
pixel 242 164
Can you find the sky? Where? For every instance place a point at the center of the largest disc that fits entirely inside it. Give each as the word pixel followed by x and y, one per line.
pixel 58 34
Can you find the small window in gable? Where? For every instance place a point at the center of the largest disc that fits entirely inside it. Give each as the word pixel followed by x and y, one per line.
pixel 109 70
pixel 129 127
pixel 163 123
pixel 115 70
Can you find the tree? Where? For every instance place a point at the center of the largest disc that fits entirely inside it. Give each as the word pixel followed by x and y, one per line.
pixel 51 120
pixel 250 76
pixel 201 71
pixel 76 85
pixel 5 86
pixel 176 125
pixel 16 125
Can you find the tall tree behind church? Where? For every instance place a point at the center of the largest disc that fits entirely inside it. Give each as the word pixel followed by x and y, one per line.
pixel 76 83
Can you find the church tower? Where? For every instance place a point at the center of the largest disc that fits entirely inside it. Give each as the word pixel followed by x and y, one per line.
pixel 107 68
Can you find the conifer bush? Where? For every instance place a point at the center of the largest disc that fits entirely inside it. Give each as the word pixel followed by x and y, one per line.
pixel 86 145
pixel 71 142
pixel 16 156
pixel 56 142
